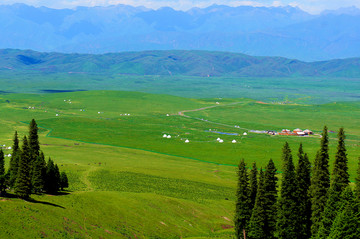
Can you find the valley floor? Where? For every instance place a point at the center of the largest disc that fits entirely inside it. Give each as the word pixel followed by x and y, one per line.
pixel 128 181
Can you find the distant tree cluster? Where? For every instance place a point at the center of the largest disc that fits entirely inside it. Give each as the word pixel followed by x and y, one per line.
pixel 28 172
pixel 310 203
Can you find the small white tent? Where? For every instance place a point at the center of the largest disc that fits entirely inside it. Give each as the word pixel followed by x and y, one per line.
pixel 221 141
pixel 187 141
pixel 169 136
pixel 164 136
pixel 234 141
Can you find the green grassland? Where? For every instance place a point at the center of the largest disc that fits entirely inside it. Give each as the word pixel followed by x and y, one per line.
pixel 127 181
pixel 298 89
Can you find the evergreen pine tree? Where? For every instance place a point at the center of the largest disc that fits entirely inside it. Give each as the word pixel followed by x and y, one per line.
pixel 2 173
pixel 346 224
pixel 357 182
pixel 34 146
pixel 34 140
pixel 329 214
pixel 2 163
pixel 286 154
pixel 57 178
pixel 303 171
pixel 253 185
pixel 339 181
pixel 15 146
pixel 14 168
pixel 49 176
pixel 320 182
pixel 14 161
pixel 287 211
pixel 270 204
pixel 23 180
pixel 44 168
pixel 243 211
pixel 346 197
pixel 52 182
pixel 39 172
pixel 258 215
pixel 64 183
pixel 340 175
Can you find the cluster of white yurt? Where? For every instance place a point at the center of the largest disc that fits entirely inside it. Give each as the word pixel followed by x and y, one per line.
pixel 220 140
pixel 167 136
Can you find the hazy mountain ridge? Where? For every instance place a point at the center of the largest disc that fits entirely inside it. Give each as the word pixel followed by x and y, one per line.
pixel 276 31
pixel 190 63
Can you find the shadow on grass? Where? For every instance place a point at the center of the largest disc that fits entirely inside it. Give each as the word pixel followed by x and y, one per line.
pixel 62 193
pixel 8 195
pixel 45 203
pixel 31 200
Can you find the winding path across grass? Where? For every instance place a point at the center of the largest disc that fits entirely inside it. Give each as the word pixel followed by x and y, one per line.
pixel 182 113
pixel 85 178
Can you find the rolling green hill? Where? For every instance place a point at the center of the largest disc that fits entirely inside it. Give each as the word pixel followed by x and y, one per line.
pixel 187 63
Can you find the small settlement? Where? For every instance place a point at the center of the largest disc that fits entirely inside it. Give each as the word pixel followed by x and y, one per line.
pixel 295 132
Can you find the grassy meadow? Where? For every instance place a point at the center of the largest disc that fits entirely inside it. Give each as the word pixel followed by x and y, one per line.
pixel 298 89
pixel 128 181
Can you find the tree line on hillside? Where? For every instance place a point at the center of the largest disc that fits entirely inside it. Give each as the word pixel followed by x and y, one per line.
pixel 311 203
pixel 28 171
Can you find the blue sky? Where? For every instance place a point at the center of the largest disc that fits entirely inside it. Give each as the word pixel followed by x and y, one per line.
pixel 312 6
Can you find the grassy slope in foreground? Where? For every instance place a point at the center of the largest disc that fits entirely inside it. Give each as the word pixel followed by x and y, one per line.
pixel 113 211
pixel 181 198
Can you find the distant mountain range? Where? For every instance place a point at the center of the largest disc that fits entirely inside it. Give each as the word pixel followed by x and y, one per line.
pixel 275 31
pixel 168 63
